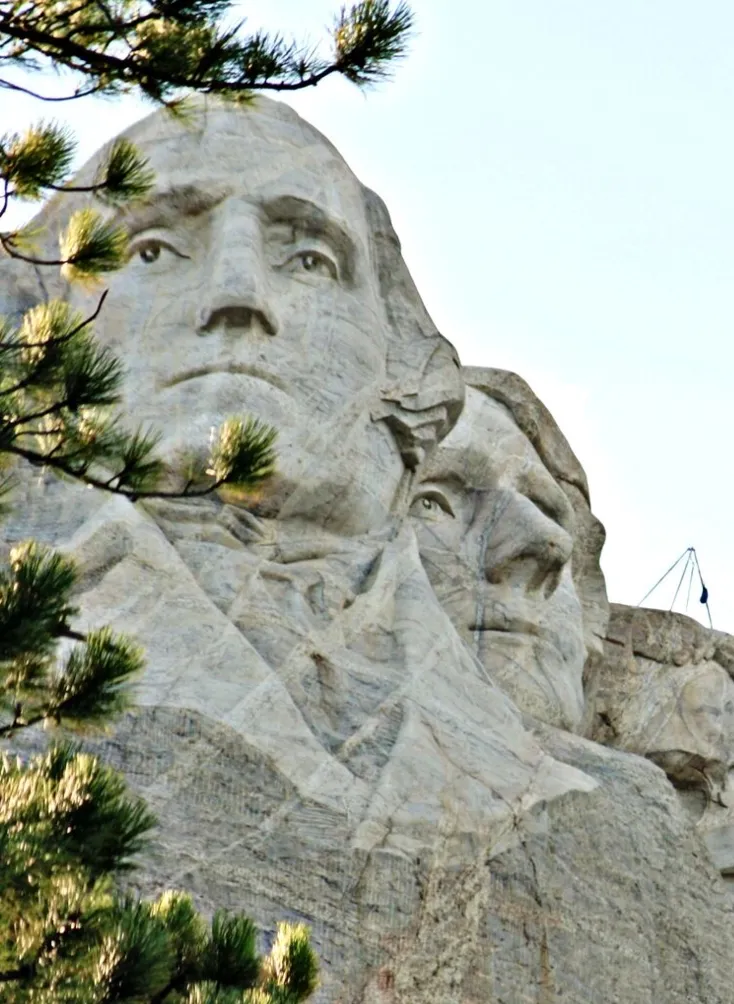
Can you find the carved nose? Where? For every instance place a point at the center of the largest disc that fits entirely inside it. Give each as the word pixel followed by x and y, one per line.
pixel 523 548
pixel 238 295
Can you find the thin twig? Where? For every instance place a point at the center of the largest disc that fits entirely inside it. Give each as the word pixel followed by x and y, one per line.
pixel 24 346
pixel 79 188
pixel 7 730
pixel 52 409
pixel 7 244
pixel 44 460
pixel 12 974
pixel 6 197
pixel 45 97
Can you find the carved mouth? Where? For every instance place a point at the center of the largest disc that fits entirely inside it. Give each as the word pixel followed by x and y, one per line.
pixel 237 368
pixel 513 626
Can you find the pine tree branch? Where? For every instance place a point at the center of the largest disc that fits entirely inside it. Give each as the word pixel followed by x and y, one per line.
pixel 53 409
pixel 30 379
pixel 59 464
pixel 13 974
pixel 47 97
pixel 89 189
pixel 63 338
pixel 58 711
pixel 132 72
pixel 8 246
pixel 52 46
pixel 17 724
pixel 294 85
pixel 67 632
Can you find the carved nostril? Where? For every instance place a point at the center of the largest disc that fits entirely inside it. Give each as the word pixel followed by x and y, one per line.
pixel 228 317
pixel 236 317
pixel 552 581
pixel 522 548
pixel 534 566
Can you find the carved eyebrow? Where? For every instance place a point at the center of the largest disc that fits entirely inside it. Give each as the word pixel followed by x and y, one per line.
pixel 165 208
pixel 454 465
pixel 295 211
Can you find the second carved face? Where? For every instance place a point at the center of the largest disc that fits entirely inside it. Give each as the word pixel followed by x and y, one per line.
pixel 495 533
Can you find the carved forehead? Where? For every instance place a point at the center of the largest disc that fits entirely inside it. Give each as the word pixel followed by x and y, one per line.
pixel 218 139
pixel 486 434
pixel 208 117
pixel 255 152
pixel 223 149
pixel 535 421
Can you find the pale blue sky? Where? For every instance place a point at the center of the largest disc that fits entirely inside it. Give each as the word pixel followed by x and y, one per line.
pixel 561 174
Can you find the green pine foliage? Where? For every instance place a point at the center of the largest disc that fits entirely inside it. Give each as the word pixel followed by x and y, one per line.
pixel 85 689
pixel 67 828
pixel 163 48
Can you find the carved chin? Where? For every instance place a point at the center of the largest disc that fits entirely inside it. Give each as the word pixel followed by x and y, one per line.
pixel 542 677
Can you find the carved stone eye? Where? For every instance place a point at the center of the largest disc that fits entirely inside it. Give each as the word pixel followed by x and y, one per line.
pixel 150 253
pixel 310 262
pixel 431 503
pixel 315 263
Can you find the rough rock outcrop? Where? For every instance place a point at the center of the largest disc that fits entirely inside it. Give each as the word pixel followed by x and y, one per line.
pixel 664 690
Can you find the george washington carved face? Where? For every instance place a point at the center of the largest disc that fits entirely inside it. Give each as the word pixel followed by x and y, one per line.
pixel 254 285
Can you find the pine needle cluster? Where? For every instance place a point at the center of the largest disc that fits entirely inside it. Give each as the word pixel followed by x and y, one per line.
pixel 67 829
pixel 85 689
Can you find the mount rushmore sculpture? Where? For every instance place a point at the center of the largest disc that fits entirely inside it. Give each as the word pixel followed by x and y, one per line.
pixel 382 696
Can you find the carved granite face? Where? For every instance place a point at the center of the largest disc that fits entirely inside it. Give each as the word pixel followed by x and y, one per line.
pixel 495 536
pixel 682 718
pixel 250 289
pixel 695 739
pixel 665 691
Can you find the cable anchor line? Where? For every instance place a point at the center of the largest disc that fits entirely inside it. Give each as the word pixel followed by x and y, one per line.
pixel 691 566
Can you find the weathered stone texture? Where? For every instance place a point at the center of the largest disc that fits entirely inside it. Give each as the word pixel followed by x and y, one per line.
pixel 365 687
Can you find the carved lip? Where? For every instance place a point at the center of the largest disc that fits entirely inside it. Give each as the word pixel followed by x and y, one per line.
pixel 237 368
